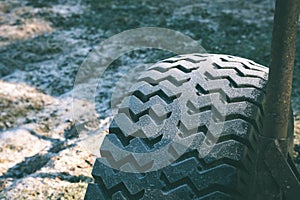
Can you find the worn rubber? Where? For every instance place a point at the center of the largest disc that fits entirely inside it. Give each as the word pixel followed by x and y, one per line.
pixel 188 96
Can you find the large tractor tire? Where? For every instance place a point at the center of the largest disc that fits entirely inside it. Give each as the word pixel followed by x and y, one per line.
pixel 188 130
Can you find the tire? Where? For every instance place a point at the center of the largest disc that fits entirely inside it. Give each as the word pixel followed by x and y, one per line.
pixel 197 100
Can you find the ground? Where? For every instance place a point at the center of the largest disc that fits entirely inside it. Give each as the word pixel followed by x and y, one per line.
pixel 44 43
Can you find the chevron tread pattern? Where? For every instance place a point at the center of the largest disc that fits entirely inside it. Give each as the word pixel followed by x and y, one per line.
pixel 208 98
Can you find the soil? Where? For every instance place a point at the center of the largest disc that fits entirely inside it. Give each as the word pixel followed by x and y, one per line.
pixel 44 43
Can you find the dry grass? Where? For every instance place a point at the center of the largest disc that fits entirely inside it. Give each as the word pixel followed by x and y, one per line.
pixel 26 30
pixel 17 100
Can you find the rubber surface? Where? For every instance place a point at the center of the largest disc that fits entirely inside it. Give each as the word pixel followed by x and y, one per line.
pixel 177 110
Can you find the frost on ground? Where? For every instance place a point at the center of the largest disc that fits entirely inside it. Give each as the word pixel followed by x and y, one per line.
pixel 44 155
pixel 43 44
